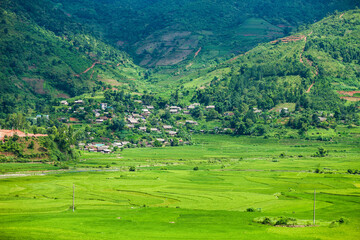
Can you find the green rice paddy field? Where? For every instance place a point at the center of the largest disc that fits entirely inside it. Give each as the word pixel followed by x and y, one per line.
pixel 165 198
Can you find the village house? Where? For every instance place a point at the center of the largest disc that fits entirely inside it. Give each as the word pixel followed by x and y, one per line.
pixel 173 111
pixel 322 119
pixel 130 125
pixel 257 110
pixel 154 130
pixel 79 102
pixel 210 107
pixel 138 101
pixel 150 107
pixel 191 122
pixel 103 106
pixel 132 120
pixel 142 128
pixel 99 120
pixel 285 110
pixel 167 127
pixel 135 115
pixel 64 102
pixel 172 133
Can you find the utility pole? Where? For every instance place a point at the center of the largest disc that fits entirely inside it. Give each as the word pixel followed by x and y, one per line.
pixel 314 205
pixel 73 197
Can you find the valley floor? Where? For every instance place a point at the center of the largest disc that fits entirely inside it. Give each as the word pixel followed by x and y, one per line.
pixel 202 191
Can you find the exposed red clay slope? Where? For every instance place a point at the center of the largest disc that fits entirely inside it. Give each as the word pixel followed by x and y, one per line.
pixel 11 133
pixel 350 93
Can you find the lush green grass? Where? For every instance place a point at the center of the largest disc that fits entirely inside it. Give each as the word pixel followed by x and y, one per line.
pixel 166 199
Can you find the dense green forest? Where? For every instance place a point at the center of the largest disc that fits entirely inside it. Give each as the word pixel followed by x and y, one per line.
pixel 148 29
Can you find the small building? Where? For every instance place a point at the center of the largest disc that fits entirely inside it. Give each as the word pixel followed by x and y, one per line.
pixel 173 111
pixel 130 125
pixel 79 102
pixel 154 130
pixel 64 102
pixel 103 106
pixel 107 151
pixel 166 127
pixel 255 110
pixel 172 133
pixel 133 120
pixel 142 128
pixel 191 122
pixel 285 110
pixel 175 107
pixel 99 120
pixel 322 119
pixel 210 107
pixel 135 115
pixel 150 107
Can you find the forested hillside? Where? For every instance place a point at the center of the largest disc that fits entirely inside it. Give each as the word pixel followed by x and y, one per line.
pixel 45 55
pixel 305 69
pixel 163 32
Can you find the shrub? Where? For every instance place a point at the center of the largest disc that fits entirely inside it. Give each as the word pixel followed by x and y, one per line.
pixel 250 209
pixel 132 169
pixel 196 168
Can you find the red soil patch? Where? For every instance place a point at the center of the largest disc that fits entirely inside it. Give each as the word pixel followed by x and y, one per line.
pixel 92 66
pixel 350 93
pixel 11 133
pixel 32 67
pixel 283 26
pixel 36 84
pixel 352 99
pixel 62 95
pixel 341 15
pixel 290 39
pixel 74 119
pixel 249 35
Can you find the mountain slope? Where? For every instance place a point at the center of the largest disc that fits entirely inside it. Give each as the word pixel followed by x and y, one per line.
pixel 168 32
pixel 304 68
pixel 37 62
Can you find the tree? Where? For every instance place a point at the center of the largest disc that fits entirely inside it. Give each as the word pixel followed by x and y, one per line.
pixel 157 143
pixel 31 145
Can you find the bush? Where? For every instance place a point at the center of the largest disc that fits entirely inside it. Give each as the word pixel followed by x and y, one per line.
pixel 196 168
pixel 250 209
pixel 132 169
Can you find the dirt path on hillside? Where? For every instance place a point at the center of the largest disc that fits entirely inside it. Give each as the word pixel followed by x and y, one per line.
pixel 309 89
pixel 92 66
pixel 197 53
pixel 341 15
pixel 310 63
